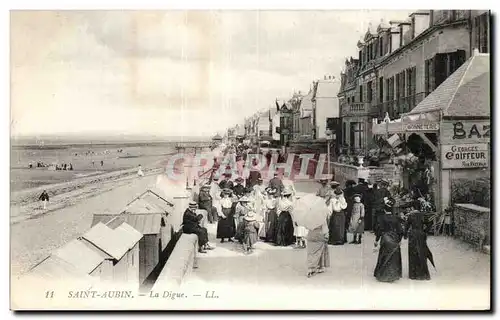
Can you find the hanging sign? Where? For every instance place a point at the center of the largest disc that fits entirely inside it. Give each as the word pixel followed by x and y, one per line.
pixel 420 126
pixel 465 156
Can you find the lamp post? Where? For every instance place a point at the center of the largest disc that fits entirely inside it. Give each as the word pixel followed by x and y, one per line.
pixel 329 137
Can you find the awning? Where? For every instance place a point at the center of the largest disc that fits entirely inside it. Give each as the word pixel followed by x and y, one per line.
pixel 407 124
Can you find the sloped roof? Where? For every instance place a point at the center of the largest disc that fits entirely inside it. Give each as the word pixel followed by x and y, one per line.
pixel 466 92
pixel 114 242
pixel 144 223
pixel 81 256
pixel 128 234
pixel 56 268
pixel 153 196
pixel 149 202
pixel 327 89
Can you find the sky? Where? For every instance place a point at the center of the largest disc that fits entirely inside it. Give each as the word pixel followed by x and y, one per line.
pixel 172 73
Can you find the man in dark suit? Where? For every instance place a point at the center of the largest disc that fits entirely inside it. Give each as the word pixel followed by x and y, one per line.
pixel 226 183
pixel 191 225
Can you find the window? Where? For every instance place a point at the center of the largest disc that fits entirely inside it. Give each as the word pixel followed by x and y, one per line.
pixel 381 46
pixel 360 58
pixel 481 34
pixel 429 76
pixel 361 93
pixel 381 90
pixel 402 77
pixel 357 135
pixel 369 92
pixel 398 87
pixel 387 85
pixel 344 133
pixel 447 63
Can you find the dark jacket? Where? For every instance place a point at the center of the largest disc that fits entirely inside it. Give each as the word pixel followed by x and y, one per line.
pixel 253 178
pixel 277 184
pixel 226 184
pixel 239 190
pixel 44 196
pixel 190 221
pixel 378 198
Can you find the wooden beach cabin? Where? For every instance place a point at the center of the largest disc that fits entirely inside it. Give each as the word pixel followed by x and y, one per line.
pixel 121 244
pixel 148 214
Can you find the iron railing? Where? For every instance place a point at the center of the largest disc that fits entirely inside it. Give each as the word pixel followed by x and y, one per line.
pixel 396 107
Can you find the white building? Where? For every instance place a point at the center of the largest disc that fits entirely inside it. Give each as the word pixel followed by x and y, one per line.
pixel 326 104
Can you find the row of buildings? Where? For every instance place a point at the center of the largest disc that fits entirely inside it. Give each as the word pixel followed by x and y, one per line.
pixel 398 64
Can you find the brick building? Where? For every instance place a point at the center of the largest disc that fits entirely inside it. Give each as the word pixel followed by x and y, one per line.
pixel 402 62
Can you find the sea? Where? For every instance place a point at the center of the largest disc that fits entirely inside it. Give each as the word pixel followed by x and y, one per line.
pixel 33 159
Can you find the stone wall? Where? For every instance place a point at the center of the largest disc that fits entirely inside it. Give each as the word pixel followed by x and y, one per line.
pixel 179 265
pixel 472 224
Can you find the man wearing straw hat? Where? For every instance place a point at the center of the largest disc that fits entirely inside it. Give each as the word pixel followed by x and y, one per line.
pixel 191 225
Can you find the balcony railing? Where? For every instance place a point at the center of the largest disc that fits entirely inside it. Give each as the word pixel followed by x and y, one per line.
pixel 396 107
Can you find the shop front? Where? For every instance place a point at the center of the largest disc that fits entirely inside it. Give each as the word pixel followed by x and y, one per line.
pixel 449 133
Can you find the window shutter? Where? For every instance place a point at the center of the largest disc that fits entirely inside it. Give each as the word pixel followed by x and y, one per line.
pixel 440 63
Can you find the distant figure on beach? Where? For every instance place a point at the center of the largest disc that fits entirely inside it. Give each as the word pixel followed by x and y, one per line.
pixel 31 165
pixel 102 163
pixel 44 197
pixel 140 173
pixel 93 163
pixel 71 167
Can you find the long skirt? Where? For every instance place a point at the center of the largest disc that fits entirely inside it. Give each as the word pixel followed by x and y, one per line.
pixel 271 225
pixel 226 227
pixel 418 253
pixel 389 267
pixel 284 236
pixel 317 250
pixel 337 228
pixel 201 232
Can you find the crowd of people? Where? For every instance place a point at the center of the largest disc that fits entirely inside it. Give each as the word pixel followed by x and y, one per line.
pixel 247 211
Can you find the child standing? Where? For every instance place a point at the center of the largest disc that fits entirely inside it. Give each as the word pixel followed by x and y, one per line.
pixel 250 232
pixel 357 225
pixel 300 233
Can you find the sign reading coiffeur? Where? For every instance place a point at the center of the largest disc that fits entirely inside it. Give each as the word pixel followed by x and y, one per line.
pixel 465 156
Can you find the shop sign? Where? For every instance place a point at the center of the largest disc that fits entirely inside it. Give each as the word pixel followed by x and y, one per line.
pixel 468 131
pixel 465 156
pixel 421 126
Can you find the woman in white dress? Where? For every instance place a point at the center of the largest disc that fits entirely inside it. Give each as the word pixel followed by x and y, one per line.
pixel 140 173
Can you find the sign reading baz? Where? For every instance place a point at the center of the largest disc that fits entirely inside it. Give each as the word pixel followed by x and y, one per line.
pixel 465 156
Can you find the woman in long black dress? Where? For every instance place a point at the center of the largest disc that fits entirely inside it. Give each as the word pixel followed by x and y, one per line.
pixel 284 235
pixel 418 251
pixel 337 205
pixel 271 219
pixel 226 227
pixel 389 231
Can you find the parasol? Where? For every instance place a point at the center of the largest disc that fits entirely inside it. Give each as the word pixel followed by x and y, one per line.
pixel 310 211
